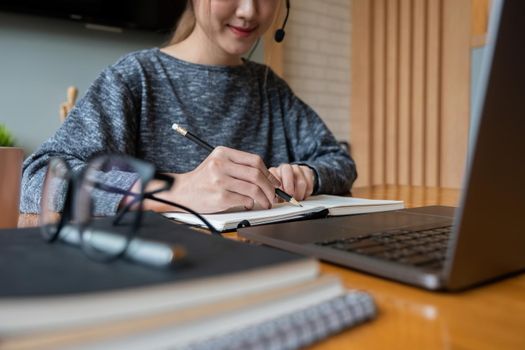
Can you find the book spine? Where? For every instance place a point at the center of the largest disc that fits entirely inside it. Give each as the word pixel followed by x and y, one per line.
pixel 298 329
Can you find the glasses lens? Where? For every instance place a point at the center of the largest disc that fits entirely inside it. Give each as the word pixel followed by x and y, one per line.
pixel 54 192
pixel 104 188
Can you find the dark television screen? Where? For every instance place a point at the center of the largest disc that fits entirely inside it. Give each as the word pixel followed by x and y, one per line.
pixel 155 15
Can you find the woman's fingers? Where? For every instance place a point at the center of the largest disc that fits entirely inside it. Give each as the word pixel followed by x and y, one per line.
pixel 230 178
pixel 225 164
pixel 240 172
pixel 297 180
pixel 300 183
pixel 275 172
pixel 309 178
pixel 251 176
pixel 251 193
pixel 287 178
pixel 233 199
pixel 248 159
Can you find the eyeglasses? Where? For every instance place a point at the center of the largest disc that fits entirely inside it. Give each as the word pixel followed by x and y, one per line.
pixel 70 200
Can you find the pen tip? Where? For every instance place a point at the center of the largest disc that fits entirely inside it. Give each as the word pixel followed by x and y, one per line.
pixel 295 202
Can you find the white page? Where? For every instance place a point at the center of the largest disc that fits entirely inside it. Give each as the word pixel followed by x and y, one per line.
pixel 230 220
pixel 329 201
pixel 286 211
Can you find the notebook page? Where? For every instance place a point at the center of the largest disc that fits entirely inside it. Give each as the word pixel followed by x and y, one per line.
pixel 339 206
pixel 230 220
pixel 329 201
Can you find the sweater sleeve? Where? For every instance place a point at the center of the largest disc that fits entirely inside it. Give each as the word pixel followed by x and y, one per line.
pixel 103 121
pixel 314 145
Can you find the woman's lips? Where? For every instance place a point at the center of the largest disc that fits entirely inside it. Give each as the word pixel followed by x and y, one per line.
pixel 241 32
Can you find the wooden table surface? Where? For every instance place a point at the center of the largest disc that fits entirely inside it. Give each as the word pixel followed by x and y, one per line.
pixel 488 317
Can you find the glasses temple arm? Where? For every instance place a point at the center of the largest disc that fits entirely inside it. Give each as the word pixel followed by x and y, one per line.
pixel 191 211
pixel 137 198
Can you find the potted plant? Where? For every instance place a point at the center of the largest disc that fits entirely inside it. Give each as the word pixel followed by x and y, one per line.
pixel 6 139
pixel 11 159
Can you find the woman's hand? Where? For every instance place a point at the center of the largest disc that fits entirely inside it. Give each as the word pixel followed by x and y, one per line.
pixel 297 180
pixel 226 179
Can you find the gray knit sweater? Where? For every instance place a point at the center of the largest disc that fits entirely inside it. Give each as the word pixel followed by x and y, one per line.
pixel 130 107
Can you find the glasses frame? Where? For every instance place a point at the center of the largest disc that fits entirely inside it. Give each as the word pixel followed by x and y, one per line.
pixel 145 174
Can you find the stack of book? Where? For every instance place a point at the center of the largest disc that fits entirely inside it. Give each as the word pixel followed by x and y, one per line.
pixel 225 295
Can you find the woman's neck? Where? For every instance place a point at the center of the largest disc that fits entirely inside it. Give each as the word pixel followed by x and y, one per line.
pixel 197 48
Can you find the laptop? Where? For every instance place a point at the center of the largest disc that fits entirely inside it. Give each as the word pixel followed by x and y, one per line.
pixel 436 247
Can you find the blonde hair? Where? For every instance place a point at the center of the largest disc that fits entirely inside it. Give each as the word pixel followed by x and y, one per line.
pixel 185 24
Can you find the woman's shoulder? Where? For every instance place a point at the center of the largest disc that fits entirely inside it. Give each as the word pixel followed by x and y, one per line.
pixel 139 65
pixel 136 61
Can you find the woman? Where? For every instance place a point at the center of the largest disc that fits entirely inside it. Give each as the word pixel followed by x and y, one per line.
pixel 201 82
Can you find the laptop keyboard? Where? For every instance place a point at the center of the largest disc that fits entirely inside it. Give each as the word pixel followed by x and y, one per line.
pixel 422 248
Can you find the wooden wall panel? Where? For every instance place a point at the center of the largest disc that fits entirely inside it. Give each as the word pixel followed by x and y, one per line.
pixel 379 92
pixel 361 96
pixel 417 117
pixel 433 94
pixel 405 91
pixel 410 90
pixel 455 98
pixel 392 91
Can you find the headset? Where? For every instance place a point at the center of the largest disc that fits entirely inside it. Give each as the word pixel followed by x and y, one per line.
pixel 279 33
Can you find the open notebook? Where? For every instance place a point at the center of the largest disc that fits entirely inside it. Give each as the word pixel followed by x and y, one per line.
pixel 315 206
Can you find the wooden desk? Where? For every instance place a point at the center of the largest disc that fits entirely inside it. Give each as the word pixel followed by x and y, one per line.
pixel 488 317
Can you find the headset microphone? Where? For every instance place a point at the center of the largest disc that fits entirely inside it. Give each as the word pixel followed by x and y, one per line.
pixel 279 33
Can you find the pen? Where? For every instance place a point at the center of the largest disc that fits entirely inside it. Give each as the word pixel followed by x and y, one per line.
pixel 209 148
pixel 146 252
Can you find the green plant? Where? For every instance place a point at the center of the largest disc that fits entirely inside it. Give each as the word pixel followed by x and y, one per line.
pixel 6 138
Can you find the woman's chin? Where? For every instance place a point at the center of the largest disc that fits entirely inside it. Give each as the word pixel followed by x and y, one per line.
pixel 238 51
